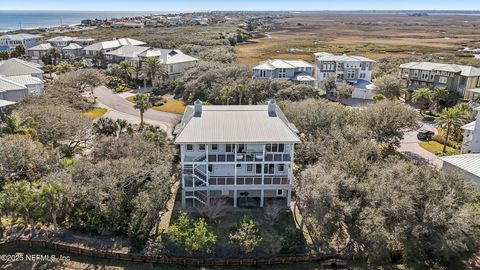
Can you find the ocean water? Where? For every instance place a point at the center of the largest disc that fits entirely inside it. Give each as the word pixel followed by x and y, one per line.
pixel 14 20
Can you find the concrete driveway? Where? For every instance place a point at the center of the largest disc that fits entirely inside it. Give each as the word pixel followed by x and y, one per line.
pixel 119 108
pixel 411 149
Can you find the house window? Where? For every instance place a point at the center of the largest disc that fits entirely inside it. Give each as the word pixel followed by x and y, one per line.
pixel 258 168
pixel 324 75
pixel 250 167
pixel 277 148
pixel 432 75
pixel 351 74
pixel 201 147
pixel 189 147
pixel 415 73
pixel 210 168
pixel 281 167
pixel 279 192
pixel 230 148
pixel 282 73
pixel 362 75
pixel 241 148
pixel 214 147
pixel 367 65
pixel 269 168
pixel 443 80
pixel 239 165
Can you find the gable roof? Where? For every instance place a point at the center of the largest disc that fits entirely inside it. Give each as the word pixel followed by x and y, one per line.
pixel 235 124
pixel 15 66
pixel 431 66
pixel 25 79
pixel 112 44
pixel 72 46
pixel 467 162
pixel 4 103
pixel 60 39
pixel 279 63
pixel 168 56
pixel 9 85
pixel 128 51
pixel 41 47
pixel 19 37
pixel 324 56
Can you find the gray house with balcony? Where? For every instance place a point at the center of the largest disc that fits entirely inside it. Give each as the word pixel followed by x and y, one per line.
pixel 460 78
pixel 237 151
pixel 297 71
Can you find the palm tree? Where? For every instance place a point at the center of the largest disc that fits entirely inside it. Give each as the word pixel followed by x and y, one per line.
pixel 241 91
pixel 127 69
pixel 226 94
pixel 439 95
pixel 142 103
pixel 154 70
pixel 54 54
pixel 15 125
pixel 50 69
pixel 143 77
pixel 451 118
pixel 424 97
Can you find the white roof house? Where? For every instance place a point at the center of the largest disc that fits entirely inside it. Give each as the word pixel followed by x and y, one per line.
pixel 467 71
pixel 19 78
pixel 129 52
pixel 279 63
pixel 168 56
pixel 15 66
pixel 41 47
pixel 113 44
pixel 297 71
pixel 234 124
pixel 324 56
pixel 467 164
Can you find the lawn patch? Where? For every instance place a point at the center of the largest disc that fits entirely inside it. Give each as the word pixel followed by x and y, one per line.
pixel 436 148
pixel 171 106
pixel 95 113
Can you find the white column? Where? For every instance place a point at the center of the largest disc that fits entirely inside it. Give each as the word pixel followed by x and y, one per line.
pixel 289 197
pixel 235 198
pixel 262 195
pixel 183 199
pixel 263 161
pixel 234 165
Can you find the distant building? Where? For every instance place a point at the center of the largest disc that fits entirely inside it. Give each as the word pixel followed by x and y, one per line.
pixel 173 60
pixel 128 24
pixel 128 53
pixel 297 71
pixel 106 46
pixel 38 52
pixel 72 51
pixel 10 42
pixel 352 69
pixel 19 79
pixel 463 79
pixel 241 153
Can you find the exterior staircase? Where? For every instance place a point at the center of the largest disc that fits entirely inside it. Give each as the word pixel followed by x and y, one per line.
pixel 196 176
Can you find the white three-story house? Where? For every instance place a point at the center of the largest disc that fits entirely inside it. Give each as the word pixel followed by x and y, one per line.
pixel 240 153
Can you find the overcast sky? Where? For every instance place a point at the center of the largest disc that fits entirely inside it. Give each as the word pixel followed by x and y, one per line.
pixel 205 5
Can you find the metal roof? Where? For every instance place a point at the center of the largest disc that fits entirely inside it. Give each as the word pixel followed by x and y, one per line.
pixel 324 56
pixel 25 79
pixel 168 56
pixel 431 66
pixel 470 126
pixel 279 63
pixel 235 124
pixel 128 51
pixel 112 44
pixel 4 103
pixel 21 36
pixel 9 85
pixel 467 162
pixel 60 39
pixel 14 66
pixel 41 47
pixel 72 46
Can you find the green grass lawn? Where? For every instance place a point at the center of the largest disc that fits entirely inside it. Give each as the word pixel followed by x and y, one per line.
pixel 95 113
pixel 436 148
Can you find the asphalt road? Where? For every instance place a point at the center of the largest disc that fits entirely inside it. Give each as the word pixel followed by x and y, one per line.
pixel 119 108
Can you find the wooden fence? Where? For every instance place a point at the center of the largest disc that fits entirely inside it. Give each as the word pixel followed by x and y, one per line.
pixel 329 260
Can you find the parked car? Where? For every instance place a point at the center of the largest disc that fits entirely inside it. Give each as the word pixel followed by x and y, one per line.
pixel 425 134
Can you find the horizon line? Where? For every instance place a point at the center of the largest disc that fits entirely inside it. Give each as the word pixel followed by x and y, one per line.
pixel 252 10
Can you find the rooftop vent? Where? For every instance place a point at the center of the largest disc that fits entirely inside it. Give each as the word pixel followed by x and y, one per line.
pixel 198 108
pixel 272 108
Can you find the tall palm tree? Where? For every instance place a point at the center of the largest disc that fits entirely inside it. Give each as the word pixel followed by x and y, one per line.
pixel 142 103
pixel 15 125
pixel 154 70
pixel 226 94
pixel 54 54
pixel 451 118
pixel 241 91
pixel 424 97
pixel 127 69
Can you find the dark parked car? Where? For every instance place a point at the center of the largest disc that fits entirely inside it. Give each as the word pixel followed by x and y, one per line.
pixel 425 135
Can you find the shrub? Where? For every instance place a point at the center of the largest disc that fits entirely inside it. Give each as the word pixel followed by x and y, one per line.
pixel 440 139
pixel 193 236
pixel 246 235
pixel 122 88
pixel 292 242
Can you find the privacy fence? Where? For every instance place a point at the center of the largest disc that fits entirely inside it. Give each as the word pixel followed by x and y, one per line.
pixel 132 257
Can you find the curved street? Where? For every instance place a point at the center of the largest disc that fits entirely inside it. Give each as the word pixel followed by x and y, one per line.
pixel 120 108
pixel 411 149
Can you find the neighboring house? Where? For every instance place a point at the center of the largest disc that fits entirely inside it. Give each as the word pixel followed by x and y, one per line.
pixel 10 42
pixel 173 60
pixel 39 51
pixel 60 41
pixel 232 152
pixel 297 71
pixel 463 79
pixel 4 106
pixel 471 135
pixel 128 24
pixel 106 46
pixel 128 53
pixel 72 50
pixel 83 41
pixel 467 165
pixel 19 79
pixel 352 69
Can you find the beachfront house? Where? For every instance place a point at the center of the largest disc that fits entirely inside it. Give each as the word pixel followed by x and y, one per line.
pixel 10 42
pixel 351 69
pixel 463 79
pixel 63 41
pixel 241 153
pixel 297 71
pixel 19 78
